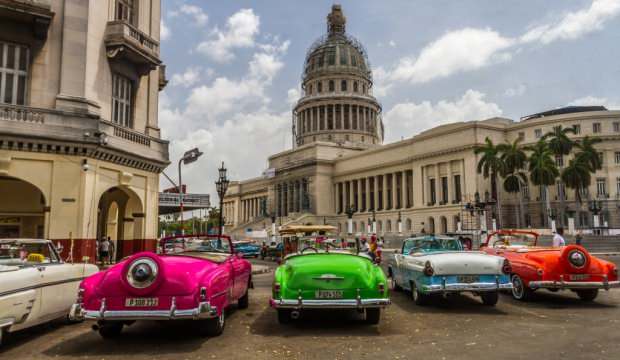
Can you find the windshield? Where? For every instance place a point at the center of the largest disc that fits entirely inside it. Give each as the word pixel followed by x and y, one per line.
pixel 512 239
pixel 323 243
pixel 26 254
pixel 430 244
pixel 202 243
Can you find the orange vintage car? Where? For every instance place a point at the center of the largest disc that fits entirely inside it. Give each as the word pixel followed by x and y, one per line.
pixel 554 268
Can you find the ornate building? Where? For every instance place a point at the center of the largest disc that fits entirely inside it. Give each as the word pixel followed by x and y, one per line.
pixel 338 163
pixel 80 147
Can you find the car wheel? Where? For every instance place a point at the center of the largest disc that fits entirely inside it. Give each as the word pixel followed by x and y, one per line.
pixel 284 316
pixel 519 290
pixel 417 296
pixel 395 286
pixel 587 295
pixel 109 330
pixel 215 326
pixel 244 301
pixel 489 298
pixel 373 315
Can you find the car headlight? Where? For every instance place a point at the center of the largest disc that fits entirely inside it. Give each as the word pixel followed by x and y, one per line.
pixel 142 273
pixel 577 258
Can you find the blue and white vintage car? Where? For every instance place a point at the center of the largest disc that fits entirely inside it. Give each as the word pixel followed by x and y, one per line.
pixel 434 265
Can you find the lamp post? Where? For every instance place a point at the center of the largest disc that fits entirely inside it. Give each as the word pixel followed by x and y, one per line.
pixel 273 226
pixel 374 222
pixel 188 157
pixel 221 185
pixel 400 223
pixel 595 208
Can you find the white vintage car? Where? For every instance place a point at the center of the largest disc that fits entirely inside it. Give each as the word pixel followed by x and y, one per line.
pixel 434 265
pixel 36 286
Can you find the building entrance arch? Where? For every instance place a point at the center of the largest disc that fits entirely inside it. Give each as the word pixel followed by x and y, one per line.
pixel 431 225
pixel 120 218
pixel 23 209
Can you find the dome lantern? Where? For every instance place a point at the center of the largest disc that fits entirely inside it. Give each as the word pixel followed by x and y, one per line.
pixel 336 21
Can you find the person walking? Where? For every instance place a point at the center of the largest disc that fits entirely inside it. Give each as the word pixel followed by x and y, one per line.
pixel 578 238
pixel 104 251
pixel 558 238
pixel 112 251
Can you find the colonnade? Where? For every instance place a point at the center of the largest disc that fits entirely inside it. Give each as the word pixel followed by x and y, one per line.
pixel 379 192
pixel 336 116
pixel 253 208
pixel 292 196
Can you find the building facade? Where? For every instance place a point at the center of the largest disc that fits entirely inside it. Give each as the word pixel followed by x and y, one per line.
pixel 80 147
pixel 338 164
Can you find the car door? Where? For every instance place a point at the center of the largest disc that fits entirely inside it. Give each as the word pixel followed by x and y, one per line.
pixel 240 275
pixel 59 284
pixel 20 295
pixel 397 270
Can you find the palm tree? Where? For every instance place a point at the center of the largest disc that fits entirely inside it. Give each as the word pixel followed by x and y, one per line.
pixel 543 171
pixel 560 144
pixel 589 153
pixel 577 175
pixel 514 159
pixel 491 165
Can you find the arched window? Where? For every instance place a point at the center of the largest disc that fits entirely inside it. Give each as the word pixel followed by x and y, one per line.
pixel 408 225
pixel 343 85
pixel 321 60
pixel 354 227
pixel 388 226
pixel 353 59
pixel 332 86
pixel 319 87
pixel 355 86
pixel 379 226
pixel 363 88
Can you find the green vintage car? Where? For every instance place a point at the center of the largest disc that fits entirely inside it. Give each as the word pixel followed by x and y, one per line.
pixel 320 272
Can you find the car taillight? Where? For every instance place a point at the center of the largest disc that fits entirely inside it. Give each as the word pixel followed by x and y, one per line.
pixel 506 267
pixel 428 269
pixel 381 287
pixel 540 272
pixel 276 289
pixel 80 296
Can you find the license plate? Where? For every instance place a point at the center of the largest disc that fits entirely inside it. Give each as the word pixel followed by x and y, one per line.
pixel 467 279
pixel 328 294
pixel 577 277
pixel 141 302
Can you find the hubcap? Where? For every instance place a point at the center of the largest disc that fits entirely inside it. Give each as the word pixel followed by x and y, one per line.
pixel 517 287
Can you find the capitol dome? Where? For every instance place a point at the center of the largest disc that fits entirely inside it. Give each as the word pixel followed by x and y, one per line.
pixel 337 103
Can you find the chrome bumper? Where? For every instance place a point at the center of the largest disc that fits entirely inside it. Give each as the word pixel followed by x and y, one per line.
pixel 203 311
pixel 474 287
pixel 574 285
pixel 329 304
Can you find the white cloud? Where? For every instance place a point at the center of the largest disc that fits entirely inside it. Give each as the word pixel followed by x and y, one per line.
pixel 409 118
pixel 188 78
pixel 241 31
pixel 392 43
pixel 574 25
pixel 515 91
pixel 456 51
pixel 596 101
pixel 164 31
pixel 292 95
pixel 199 17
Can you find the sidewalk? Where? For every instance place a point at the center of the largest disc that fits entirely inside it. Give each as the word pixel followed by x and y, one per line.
pixel 260 269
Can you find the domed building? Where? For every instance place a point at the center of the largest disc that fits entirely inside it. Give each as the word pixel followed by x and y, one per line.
pixel 339 167
pixel 337 103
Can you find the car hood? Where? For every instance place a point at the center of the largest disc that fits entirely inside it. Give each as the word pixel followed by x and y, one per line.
pixel 328 271
pixel 181 275
pixel 460 262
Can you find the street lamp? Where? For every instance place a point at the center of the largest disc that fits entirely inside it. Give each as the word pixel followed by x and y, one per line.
pixel 400 223
pixel 188 157
pixel 221 185
pixel 374 222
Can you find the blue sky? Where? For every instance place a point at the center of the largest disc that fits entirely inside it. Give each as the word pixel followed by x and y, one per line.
pixel 234 67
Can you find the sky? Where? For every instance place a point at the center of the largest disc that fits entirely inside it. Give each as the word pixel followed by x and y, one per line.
pixel 235 66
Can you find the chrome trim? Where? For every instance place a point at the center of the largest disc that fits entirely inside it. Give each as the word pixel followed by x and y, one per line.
pixel 328 277
pixel 479 286
pixel 357 303
pixel 552 284
pixel 203 311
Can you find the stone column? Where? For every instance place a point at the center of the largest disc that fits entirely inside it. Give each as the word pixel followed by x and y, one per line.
pixel 450 184
pixel 426 192
pixel 394 190
pixel 462 178
pixel 404 190
pixel 367 184
pixel 376 194
pixel 385 192
pixel 359 196
pixel 438 191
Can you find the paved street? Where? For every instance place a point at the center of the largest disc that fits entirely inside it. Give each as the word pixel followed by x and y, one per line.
pixel 553 326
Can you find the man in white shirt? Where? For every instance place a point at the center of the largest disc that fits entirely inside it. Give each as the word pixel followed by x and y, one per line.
pixel 558 238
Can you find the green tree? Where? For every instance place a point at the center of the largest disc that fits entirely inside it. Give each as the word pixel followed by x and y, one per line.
pixel 561 145
pixel 491 165
pixel 515 161
pixel 577 175
pixel 543 171
pixel 589 154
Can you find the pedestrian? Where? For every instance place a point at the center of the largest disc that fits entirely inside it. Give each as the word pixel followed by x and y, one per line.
pixel 423 231
pixel 578 238
pixel 558 238
pixel 104 251
pixel 112 252
pixel 364 245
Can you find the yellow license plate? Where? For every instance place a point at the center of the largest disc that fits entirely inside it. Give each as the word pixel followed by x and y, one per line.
pixel 141 302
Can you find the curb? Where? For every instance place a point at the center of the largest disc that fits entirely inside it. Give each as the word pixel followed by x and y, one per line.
pixel 260 270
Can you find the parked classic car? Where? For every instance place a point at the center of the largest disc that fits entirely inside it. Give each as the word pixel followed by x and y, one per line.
pixel 198 283
pixel 273 250
pixel 36 286
pixel 247 248
pixel 535 267
pixel 432 265
pixel 322 273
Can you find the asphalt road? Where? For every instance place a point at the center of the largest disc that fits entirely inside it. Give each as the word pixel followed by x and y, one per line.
pixel 552 326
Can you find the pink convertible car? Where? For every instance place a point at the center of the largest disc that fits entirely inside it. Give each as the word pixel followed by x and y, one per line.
pixel 197 280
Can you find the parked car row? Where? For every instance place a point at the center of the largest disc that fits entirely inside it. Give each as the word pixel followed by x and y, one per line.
pixel 199 277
